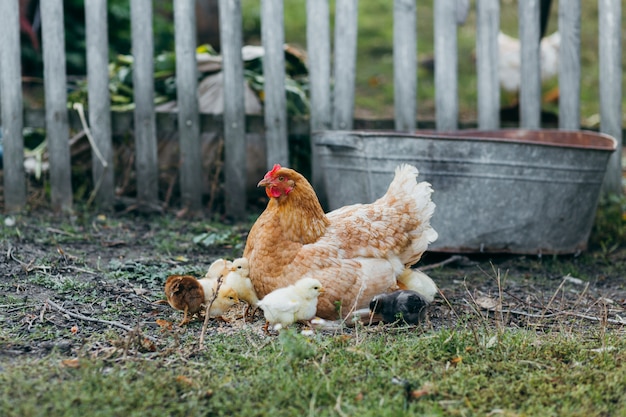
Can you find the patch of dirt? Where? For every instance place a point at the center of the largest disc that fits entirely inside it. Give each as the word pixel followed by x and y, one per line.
pixel 90 289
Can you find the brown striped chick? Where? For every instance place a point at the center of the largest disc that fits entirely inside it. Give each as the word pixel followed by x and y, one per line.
pixel 184 293
pixel 226 297
pixel 239 280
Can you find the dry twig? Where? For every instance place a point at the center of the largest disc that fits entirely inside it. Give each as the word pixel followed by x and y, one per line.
pixel 91 319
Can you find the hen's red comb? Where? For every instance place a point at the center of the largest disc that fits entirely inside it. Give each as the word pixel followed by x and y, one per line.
pixel 273 171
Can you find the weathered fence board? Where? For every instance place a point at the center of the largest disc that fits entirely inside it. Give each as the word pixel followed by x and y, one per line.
pixel 187 100
pixel 11 104
pixel 569 65
pixel 446 67
pixel 99 101
pixel 273 38
pixel 610 45
pixel 487 27
pixel 345 63
pixel 530 86
pixel 405 64
pixel 234 108
pixel 318 50
pixel 143 87
pixel 55 86
pixel 330 107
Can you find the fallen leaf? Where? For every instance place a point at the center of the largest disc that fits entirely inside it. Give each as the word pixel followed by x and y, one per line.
pixel 488 303
pixel 427 388
pixel 456 360
pixel 148 345
pixel 184 380
pixel 74 329
pixel 164 324
pixel 359 397
pixel 71 363
pixel 140 291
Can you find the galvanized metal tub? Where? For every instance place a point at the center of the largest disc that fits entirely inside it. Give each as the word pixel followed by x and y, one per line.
pixel 506 191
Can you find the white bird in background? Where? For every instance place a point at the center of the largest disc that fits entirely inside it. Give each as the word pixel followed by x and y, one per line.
pixel 297 302
pixel 510 62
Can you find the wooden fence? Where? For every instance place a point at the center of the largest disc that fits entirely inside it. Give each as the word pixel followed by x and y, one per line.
pixel 330 108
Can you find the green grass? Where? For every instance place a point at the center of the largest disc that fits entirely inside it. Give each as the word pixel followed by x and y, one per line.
pixel 374 76
pixel 449 372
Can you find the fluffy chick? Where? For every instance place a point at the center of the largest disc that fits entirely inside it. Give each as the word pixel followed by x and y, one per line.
pixel 287 305
pixel 184 293
pixel 239 280
pixel 226 297
pixel 404 305
pixel 219 268
pixel 414 280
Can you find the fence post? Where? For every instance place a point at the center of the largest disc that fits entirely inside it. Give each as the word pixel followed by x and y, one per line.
pixel 404 64
pixel 530 88
pixel 346 14
pixel 231 36
pixel 12 108
pixel 488 82
pixel 569 65
pixel 99 101
pixel 318 49
pixel 187 102
pixel 610 45
pixel 143 88
pixel 55 86
pixel 273 39
pixel 446 67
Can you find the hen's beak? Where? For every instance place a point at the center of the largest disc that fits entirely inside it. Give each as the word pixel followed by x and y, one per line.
pixel 264 182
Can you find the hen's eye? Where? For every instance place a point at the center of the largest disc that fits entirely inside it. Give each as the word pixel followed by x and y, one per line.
pixel 281 178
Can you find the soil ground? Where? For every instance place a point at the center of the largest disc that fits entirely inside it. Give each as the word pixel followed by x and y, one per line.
pixel 82 285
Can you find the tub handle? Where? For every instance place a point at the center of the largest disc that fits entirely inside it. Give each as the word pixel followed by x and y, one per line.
pixel 338 142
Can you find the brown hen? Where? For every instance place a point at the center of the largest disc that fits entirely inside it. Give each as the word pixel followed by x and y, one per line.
pixel 356 252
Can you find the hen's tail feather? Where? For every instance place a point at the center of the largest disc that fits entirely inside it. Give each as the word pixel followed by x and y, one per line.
pixel 405 186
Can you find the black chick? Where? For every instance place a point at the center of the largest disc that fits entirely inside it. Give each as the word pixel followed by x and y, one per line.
pixel 405 305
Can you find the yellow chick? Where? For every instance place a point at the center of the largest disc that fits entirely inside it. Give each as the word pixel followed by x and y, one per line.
pixel 226 297
pixel 220 267
pixel 287 305
pixel 238 280
pixel 414 280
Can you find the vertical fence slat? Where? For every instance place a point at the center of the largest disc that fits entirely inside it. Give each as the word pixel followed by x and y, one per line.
pixel 610 45
pixel 487 27
pixel 12 108
pixel 346 14
pixel 143 87
pixel 318 50
pixel 273 39
pixel 234 107
pixel 530 88
pixel 569 64
pixel 99 101
pixel 405 64
pixel 187 101
pixel 446 58
pixel 57 128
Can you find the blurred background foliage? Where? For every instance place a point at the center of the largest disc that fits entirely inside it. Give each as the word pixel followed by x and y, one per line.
pixel 374 78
